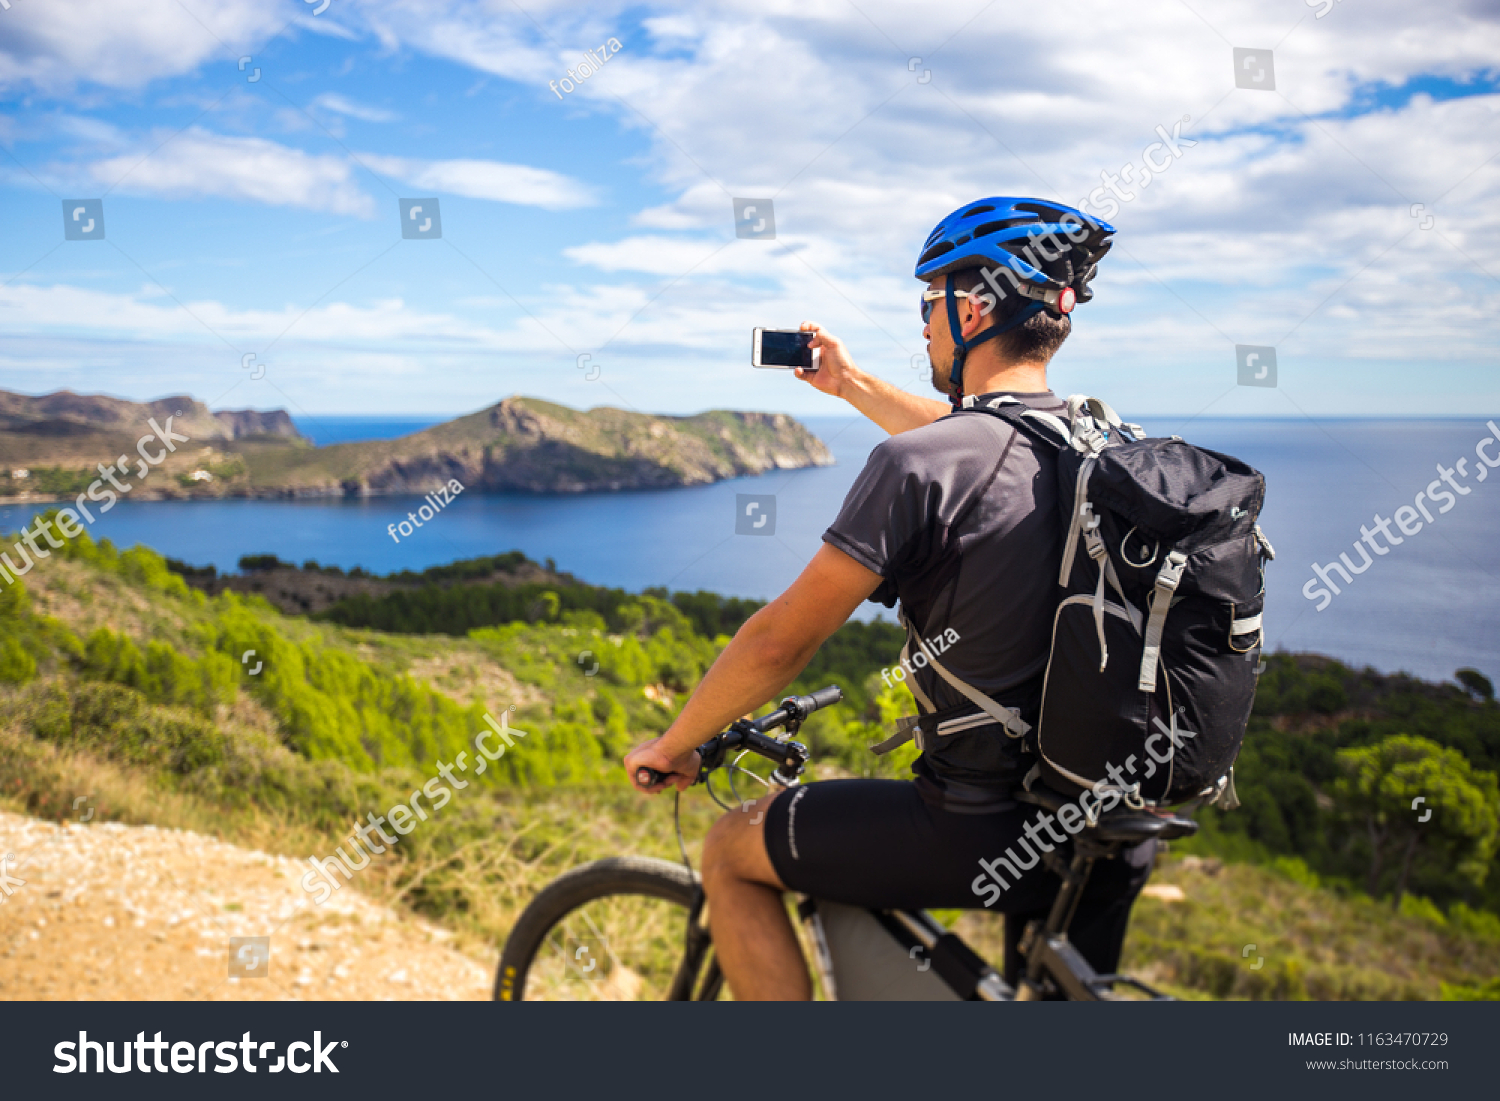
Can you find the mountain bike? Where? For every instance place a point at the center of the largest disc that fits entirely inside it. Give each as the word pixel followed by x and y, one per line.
pixel 634 928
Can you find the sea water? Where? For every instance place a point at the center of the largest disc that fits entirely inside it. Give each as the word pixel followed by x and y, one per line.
pixel 1427 607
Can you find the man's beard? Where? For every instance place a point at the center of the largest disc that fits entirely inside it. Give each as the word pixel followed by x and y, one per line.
pixel 941 376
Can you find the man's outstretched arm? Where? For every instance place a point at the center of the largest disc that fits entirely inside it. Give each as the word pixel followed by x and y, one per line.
pixel 765 655
pixel 892 408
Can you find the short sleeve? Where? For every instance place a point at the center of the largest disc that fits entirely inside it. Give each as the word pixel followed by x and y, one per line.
pixel 888 517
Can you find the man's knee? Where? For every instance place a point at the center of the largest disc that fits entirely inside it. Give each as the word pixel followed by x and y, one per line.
pixel 725 841
pixel 735 846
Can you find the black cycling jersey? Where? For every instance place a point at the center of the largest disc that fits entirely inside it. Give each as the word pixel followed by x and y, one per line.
pixel 960 519
pixel 966 541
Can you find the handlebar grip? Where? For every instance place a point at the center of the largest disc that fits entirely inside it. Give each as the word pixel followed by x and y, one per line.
pixel 823 697
pixel 650 777
pixel 826 697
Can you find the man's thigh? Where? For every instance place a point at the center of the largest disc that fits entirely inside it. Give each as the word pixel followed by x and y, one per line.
pixel 877 843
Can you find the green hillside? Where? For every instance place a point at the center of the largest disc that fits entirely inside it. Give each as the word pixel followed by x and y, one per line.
pixel 119 681
pixel 519 445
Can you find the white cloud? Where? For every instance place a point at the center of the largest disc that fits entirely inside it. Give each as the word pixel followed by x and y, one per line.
pixel 148 315
pixel 493 180
pixel 199 164
pixel 343 105
pixel 812 101
pixel 54 46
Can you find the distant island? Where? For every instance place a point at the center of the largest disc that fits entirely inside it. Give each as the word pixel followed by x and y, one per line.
pixel 51 445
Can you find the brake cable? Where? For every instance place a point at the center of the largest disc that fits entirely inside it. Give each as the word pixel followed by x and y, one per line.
pixel 677 821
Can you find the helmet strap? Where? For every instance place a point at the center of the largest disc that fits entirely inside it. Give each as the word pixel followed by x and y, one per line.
pixel 961 347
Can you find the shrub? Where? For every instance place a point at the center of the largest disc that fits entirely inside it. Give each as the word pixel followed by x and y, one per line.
pixel 260 562
pixel 1415 906
pixel 1474 923
pixel 1462 992
pixel 1475 683
pixel 116 721
pixel 16 665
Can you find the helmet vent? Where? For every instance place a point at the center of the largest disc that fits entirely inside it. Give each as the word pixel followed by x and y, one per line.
pixel 1005 223
pixel 933 253
pixel 982 208
pixel 1042 211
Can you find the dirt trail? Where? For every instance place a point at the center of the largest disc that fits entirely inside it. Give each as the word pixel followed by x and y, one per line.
pixel 109 911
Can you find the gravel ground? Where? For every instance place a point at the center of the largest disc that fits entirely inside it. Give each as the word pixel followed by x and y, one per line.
pixel 107 911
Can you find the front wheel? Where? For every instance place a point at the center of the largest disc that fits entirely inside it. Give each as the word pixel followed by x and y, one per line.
pixel 613 930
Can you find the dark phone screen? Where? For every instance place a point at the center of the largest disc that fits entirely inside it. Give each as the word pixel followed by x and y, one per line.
pixel 785 349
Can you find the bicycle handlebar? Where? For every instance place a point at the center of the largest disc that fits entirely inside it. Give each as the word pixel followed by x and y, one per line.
pixel 755 737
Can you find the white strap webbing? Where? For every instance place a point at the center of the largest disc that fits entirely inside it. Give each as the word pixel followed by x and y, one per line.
pixel 962 723
pixel 1057 425
pixel 1245 626
pixel 1014 725
pixel 924 705
pixel 1265 544
pixel 906 726
pixel 1085 434
pixel 1167 579
pixel 1114 582
pixel 1075 528
pixel 1102 412
pixel 1011 720
pixel 1054 423
pixel 1100 554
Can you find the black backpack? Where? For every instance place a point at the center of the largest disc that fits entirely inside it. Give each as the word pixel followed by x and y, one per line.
pixel 1156 637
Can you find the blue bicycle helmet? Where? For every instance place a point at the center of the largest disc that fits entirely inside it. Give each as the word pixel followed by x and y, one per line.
pixel 1035 255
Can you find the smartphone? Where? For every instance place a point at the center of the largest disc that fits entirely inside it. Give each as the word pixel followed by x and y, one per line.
pixel 783 348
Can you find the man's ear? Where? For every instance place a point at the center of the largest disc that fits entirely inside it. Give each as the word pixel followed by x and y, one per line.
pixel 979 308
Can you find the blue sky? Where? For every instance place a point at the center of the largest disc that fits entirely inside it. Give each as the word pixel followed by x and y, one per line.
pixel 1348 218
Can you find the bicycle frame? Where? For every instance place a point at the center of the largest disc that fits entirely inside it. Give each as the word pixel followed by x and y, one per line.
pixel 1053 967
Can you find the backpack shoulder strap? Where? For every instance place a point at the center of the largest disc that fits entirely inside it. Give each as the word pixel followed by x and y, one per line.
pixel 1039 426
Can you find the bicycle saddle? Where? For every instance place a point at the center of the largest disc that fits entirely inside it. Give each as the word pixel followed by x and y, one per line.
pixel 1121 824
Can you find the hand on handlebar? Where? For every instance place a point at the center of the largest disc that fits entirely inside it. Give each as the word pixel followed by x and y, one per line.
pixel 679 772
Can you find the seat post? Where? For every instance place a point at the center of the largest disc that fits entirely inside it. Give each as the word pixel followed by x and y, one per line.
pixel 1065 905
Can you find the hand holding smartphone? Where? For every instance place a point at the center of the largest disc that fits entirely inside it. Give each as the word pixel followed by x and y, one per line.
pixel 783 348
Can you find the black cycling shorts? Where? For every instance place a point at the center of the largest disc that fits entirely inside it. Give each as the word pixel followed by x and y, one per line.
pixel 879 844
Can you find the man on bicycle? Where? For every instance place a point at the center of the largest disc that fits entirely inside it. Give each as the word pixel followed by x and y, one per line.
pixel 955 516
